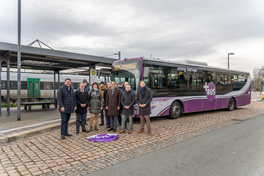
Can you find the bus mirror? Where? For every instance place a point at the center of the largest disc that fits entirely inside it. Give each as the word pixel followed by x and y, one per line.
pixel 146 72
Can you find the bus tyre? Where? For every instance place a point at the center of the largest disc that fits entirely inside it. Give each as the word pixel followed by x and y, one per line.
pixel 175 110
pixel 231 104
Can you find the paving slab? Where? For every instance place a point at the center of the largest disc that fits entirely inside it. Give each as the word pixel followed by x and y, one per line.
pixel 47 153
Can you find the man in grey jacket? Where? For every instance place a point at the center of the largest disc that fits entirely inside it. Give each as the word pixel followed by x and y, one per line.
pixel 67 105
pixel 127 101
pixel 144 98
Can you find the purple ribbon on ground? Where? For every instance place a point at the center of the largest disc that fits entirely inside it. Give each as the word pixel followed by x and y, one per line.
pixel 103 137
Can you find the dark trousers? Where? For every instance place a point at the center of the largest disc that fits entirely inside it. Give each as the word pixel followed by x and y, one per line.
pixel 80 118
pixel 65 117
pixel 107 118
pixel 120 117
pixel 84 118
pixel 102 115
pixel 113 121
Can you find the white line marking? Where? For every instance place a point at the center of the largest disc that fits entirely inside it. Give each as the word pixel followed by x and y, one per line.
pixel 28 126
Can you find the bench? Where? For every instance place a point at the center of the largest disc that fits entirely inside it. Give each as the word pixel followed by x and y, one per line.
pixel 45 105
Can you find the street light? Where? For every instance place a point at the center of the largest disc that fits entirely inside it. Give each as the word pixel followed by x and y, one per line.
pixel 228 58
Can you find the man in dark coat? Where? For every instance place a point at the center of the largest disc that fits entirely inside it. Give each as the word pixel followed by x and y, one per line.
pixel 144 98
pixel 86 88
pixel 82 100
pixel 67 105
pixel 107 118
pixel 122 89
pixel 127 101
pixel 112 104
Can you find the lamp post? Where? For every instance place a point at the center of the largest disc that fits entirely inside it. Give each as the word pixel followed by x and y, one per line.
pixel 119 55
pixel 228 58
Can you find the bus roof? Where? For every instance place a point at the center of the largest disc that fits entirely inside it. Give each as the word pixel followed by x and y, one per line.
pixel 208 68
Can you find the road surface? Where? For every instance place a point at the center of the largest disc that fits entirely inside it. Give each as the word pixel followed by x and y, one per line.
pixel 234 150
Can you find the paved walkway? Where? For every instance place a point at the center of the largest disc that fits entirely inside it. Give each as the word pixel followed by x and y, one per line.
pixel 31 122
pixel 47 154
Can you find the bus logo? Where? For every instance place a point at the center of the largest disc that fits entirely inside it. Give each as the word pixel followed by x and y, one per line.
pixel 210 91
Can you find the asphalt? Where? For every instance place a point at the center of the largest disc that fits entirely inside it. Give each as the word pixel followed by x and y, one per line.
pixel 233 150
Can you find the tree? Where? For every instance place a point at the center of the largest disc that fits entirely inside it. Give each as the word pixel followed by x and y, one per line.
pixel 257 77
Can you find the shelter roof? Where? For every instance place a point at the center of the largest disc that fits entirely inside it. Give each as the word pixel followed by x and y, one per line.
pixel 45 59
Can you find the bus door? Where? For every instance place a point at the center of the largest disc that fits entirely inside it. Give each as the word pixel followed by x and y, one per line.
pixel 33 88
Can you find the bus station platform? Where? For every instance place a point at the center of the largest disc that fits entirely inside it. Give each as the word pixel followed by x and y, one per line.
pixel 34 122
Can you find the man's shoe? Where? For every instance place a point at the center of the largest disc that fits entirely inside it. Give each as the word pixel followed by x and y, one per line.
pixel 68 134
pixel 129 131
pixel 77 132
pixel 141 131
pixel 110 129
pixel 149 133
pixel 114 130
pixel 85 131
pixel 101 124
pixel 62 137
pixel 122 131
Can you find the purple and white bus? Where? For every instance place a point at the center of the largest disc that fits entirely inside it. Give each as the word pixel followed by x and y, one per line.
pixel 184 86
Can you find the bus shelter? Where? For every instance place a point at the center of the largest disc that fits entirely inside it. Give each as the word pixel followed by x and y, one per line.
pixel 33 58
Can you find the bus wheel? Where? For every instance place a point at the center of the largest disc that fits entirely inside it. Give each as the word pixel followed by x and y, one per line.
pixel 231 104
pixel 175 110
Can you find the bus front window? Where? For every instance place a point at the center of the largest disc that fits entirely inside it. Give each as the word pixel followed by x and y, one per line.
pixel 127 71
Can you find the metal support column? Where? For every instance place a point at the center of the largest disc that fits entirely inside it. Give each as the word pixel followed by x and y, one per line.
pixel 19 61
pixel 8 86
pixel 58 79
pixel 0 87
pixel 54 89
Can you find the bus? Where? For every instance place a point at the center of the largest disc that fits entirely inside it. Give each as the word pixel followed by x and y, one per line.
pixel 184 86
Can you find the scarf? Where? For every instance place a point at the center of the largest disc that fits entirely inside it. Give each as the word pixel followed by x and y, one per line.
pixel 142 90
pixel 102 87
pixel 95 91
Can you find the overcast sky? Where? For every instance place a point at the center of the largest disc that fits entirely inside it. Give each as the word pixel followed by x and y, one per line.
pixel 201 30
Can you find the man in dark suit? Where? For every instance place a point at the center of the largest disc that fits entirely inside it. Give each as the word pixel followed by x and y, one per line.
pixel 112 104
pixel 82 100
pixel 144 98
pixel 67 105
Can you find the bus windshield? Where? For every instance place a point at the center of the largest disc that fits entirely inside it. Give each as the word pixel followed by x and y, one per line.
pixel 127 71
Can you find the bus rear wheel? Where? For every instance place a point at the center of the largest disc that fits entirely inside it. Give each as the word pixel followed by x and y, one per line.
pixel 175 110
pixel 231 104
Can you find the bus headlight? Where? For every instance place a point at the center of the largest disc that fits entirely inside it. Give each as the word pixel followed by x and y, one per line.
pixel 135 109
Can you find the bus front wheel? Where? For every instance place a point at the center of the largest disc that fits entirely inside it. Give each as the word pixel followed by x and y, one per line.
pixel 231 104
pixel 175 110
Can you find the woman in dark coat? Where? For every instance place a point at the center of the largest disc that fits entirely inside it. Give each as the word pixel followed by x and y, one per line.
pixel 95 105
pixel 112 104
pixel 82 100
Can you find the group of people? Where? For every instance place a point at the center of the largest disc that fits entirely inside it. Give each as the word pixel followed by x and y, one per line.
pixel 115 104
